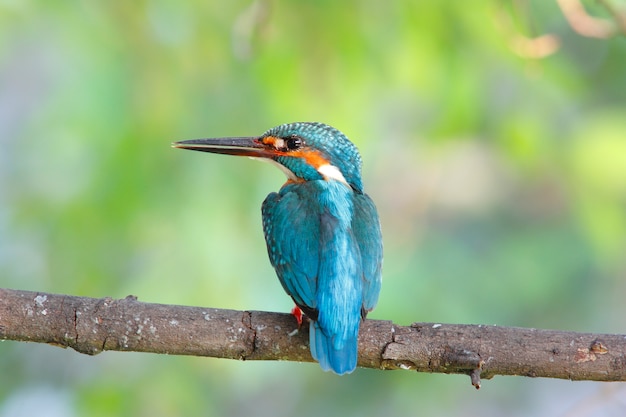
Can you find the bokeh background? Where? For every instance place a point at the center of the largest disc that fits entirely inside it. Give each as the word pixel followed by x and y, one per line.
pixel 493 136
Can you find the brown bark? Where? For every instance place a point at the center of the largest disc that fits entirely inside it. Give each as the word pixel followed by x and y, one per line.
pixel 90 326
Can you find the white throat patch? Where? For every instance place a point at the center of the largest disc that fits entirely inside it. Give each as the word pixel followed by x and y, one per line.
pixel 331 172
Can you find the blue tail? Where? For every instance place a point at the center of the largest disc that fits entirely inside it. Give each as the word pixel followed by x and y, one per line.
pixel 340 359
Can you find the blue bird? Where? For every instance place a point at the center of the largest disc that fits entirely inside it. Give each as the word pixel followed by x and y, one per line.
pixel 322 231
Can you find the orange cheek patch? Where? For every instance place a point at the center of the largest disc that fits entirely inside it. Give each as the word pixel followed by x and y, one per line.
pixel 313 158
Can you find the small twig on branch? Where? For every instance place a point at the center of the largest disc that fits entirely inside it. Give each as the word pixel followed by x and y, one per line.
pixel 90 326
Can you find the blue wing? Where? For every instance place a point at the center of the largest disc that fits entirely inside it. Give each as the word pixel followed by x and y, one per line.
pixel 366 229
pixel 292 239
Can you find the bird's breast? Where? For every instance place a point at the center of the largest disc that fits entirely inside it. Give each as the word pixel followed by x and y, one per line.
pixel 329 197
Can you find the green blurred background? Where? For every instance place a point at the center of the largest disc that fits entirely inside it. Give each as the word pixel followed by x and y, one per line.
pixel 500 180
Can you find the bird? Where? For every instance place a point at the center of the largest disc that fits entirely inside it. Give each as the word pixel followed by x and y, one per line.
pixel 322 231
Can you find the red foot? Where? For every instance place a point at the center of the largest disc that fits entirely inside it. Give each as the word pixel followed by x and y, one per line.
pixel 297 313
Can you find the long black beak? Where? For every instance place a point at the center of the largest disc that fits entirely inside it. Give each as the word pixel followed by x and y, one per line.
pixel 248 146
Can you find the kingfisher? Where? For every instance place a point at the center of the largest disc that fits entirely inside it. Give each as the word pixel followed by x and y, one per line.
pixel 322 231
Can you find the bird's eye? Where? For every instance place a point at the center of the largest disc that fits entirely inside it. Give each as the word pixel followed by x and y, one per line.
pixel 293 142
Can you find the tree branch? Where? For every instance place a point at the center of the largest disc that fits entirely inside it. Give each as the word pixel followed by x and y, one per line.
pixel 90 326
